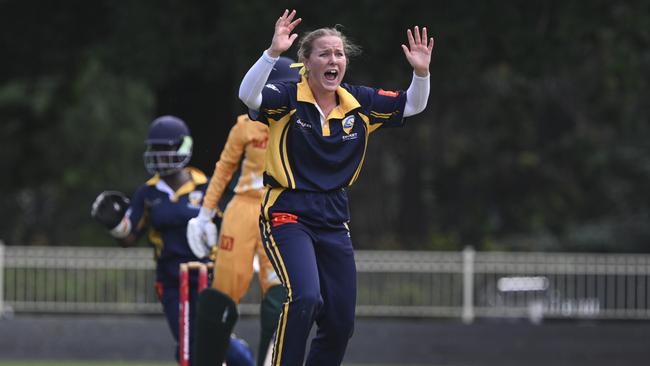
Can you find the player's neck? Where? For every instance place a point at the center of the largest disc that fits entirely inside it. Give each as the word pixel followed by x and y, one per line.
pixel 176 180
pixel 326 102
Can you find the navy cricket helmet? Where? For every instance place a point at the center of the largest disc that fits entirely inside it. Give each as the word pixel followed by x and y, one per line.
pixel 169 146
pixel 282 71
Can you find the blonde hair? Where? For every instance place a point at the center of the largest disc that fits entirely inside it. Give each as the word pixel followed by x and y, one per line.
pixel 307 43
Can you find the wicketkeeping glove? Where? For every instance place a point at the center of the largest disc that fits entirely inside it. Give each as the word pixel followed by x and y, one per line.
pixel 109 209
pixel 202 233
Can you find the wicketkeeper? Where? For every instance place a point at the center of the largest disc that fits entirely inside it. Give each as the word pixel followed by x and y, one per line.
pixel 161 209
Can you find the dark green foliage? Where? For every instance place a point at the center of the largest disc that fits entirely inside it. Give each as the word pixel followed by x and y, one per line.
pixel 535 137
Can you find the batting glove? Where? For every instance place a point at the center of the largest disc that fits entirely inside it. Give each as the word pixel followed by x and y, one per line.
pixel 202 233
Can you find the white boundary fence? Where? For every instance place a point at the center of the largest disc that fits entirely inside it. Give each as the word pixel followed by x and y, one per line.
pixel 462 285
pixel 2 280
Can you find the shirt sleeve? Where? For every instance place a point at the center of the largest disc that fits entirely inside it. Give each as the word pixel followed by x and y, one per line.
pixel 138 212
pixel 384 108
pixel 228 163
pixel 255 79
pixel 417 95
pixel 275 102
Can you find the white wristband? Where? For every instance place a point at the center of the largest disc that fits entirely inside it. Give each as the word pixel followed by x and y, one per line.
pixel 268 58
pixel 206 214
pixel 122 229
pixel 417 95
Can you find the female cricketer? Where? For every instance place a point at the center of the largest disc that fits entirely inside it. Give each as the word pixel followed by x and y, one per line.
pixel 318 133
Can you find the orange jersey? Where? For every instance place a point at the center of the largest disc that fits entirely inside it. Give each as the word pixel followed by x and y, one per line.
pixel 248 139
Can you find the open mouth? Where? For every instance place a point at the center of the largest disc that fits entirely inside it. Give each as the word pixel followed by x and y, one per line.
pixel 331 75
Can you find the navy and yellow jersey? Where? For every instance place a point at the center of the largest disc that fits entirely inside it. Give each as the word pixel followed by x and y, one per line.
pixel 163 214
pixel 303 155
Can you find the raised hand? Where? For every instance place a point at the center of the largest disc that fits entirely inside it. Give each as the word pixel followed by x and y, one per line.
pixel 418 52
pixel 283 38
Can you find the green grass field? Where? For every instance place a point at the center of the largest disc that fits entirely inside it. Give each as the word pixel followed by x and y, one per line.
pixel 83 363
pixel 109 363
pixel 97 363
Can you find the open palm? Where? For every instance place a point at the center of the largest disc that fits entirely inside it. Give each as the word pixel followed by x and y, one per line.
pixel 418 52
pixel 283 38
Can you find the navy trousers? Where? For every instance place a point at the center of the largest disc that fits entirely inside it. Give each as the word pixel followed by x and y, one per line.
pixel 306 237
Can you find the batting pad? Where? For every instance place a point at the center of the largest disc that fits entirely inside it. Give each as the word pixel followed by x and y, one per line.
pixel 215 318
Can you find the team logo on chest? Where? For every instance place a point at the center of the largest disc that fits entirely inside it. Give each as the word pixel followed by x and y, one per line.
pixel 348 124
pixel 194 199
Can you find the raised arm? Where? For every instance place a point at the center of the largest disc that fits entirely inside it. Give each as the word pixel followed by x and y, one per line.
pixel 250 90
pixel 418 54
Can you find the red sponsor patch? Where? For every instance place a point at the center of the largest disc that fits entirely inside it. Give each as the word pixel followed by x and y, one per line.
pixel 281 218
pixel 227 243
pixel 388 93
pixel 261 143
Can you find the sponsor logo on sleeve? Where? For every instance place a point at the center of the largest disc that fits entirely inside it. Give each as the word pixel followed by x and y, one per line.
pixel 388 93
pixel 272 87
pixel 260 143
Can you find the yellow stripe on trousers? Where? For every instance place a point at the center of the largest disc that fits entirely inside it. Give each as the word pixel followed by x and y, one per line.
pixel 278 263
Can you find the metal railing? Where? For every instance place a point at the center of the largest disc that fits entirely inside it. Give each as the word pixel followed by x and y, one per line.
pixel 464 284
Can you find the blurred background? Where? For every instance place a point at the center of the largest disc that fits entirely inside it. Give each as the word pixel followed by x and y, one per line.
pixel 535 138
